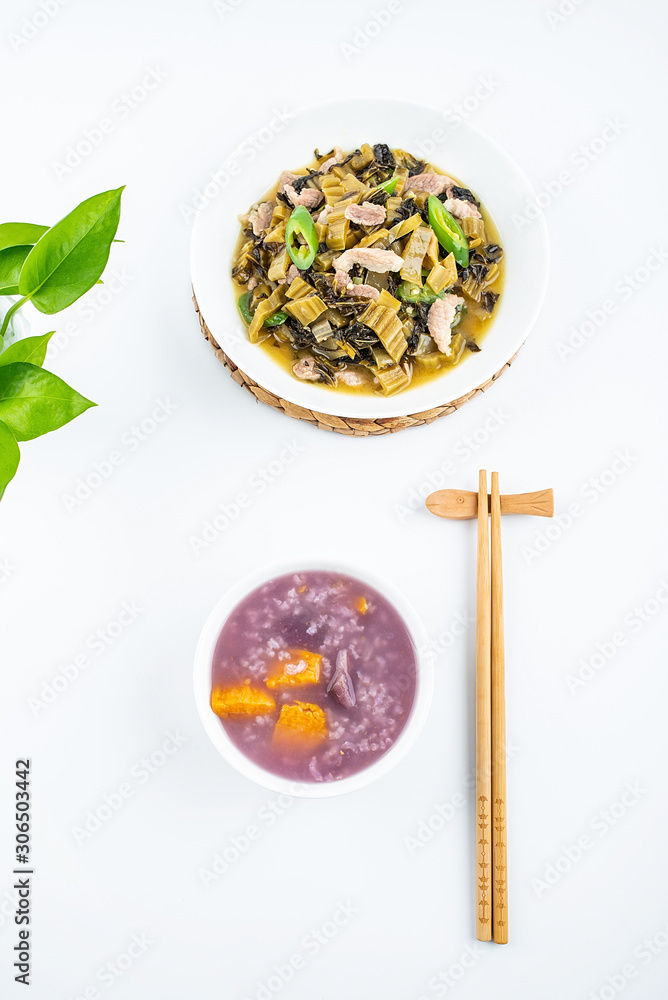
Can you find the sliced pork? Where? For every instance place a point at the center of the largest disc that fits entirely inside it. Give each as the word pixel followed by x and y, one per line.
pixel 440 319
pixel 366 214
pixel 431 183
pixel 362 291
pixel 461 209
pixel 335 158
pixel 309 197
pixel 260 218
pixel 287 177
pixel 305 369
pixel 372 259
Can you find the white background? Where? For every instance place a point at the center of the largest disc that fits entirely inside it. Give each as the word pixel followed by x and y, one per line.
pixel 562 422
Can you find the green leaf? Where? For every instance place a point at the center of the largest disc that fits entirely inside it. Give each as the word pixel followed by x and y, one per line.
pixel 16 241
pixel 34 402
pixel 9 457
pixel 19 234
pixel 11 262
pixel 32 349
pixel 70 257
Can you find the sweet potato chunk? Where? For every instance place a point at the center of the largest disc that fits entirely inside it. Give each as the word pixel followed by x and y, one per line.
pixel 298 668
pixel 300 726
pixel 241 700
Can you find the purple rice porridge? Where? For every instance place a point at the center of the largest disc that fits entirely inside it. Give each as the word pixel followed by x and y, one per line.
pixel 314 676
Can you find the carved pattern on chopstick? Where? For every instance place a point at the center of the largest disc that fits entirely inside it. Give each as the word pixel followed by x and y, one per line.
pixel 500 865
pixel 483 862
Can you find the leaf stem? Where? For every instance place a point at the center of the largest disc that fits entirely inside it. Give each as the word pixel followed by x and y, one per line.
pixel 10 312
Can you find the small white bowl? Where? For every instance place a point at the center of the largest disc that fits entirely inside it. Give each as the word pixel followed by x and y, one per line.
pixel 217 734
pixel 458 149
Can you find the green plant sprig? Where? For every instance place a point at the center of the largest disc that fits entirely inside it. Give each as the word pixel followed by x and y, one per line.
pixel 52 268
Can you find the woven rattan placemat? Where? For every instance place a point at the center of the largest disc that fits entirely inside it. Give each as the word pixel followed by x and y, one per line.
pixel 353 426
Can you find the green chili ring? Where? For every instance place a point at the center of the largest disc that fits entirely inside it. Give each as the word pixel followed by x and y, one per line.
pixel 448 231
pixel 244 308
pixel 301 224
pixel 243 304
pixel 408 292
pixel 276 319
pixel 389 185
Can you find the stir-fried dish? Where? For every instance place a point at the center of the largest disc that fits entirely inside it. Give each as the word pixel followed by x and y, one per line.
pixel 368 270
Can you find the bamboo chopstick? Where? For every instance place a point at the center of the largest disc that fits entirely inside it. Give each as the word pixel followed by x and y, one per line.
pixel 483 723
pixel 499 840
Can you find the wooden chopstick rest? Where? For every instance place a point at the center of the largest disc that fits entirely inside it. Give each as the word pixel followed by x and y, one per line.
pixel 462 504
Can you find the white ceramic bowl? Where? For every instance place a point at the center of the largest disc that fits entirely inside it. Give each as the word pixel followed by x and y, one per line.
pixel 458 149
pixel 234 756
